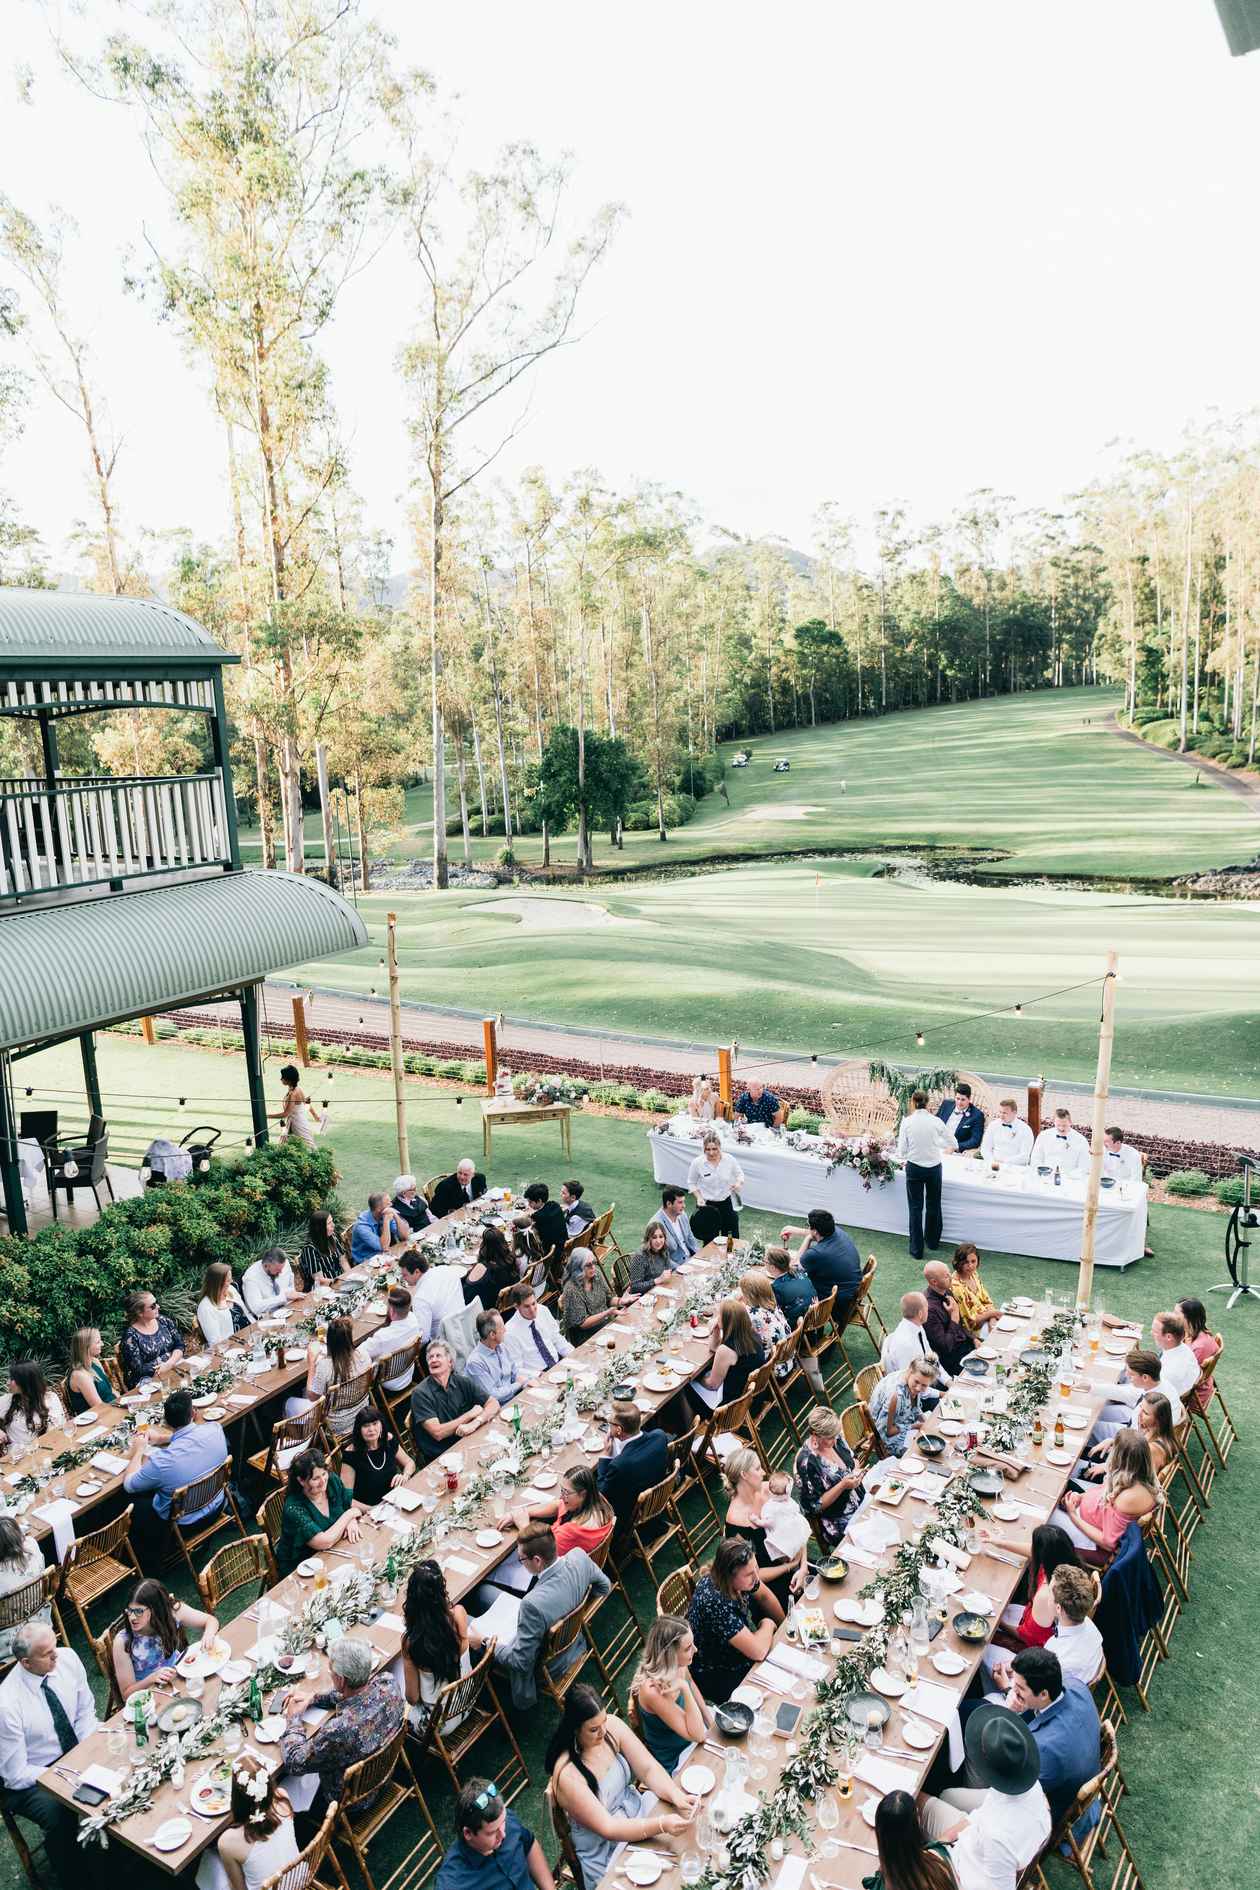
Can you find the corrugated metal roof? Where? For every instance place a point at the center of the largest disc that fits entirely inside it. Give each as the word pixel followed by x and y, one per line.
pixel 65 969
pixel 81 630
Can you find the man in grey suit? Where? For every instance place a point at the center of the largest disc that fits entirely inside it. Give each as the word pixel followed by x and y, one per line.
pixel 561 1583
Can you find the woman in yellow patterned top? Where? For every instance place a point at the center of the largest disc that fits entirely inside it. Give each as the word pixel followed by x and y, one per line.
pixel 975 1308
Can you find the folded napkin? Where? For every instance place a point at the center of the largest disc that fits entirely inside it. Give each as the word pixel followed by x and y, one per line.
pixel 240 1397
pixel 544 1392
pixel 60 1519
pixel 939 1704
pixel 626 1331
pixel 1037 1513
pixel 859 1557
pixel 791 1873
pixel 102 1779
pixel 885 1776
pixel 949 1552
pixel 929 1490
pixel 808 1666
pixel 458 1565
pixel 107 1460
pixel 394 1622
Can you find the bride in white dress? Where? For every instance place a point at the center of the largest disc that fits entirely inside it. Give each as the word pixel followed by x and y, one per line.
pixel 298 1112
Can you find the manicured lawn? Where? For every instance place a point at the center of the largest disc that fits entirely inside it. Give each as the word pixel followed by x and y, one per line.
pixel 1189 1815
pixel 1036 777
pixel 826 957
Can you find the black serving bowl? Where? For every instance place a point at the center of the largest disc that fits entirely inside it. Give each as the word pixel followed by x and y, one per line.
pixel 834 1569
pixel 986 1482
pixel 931 1444
pixel 733 1719
pixel 971 1627
pixel 975 1367
pixel 623 1392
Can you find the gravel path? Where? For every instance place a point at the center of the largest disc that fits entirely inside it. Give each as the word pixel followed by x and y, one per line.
pixel 1217 1120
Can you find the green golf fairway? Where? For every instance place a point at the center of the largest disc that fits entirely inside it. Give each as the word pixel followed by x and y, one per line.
pixel 1037 777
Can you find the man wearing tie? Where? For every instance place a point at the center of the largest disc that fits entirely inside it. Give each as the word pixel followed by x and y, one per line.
pixel 1061 1147
pixel 1009 1139
pixel 531 1338
pixel 1121 1162
pixel 907 1340
pixel 46 1709
pixel 963 1120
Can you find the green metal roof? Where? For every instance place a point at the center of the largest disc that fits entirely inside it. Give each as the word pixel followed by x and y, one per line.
pixel 70 968
pixel 75 632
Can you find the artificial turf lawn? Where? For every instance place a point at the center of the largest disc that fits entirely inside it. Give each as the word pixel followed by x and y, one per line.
pixel 1035 777
pixel 1192 1814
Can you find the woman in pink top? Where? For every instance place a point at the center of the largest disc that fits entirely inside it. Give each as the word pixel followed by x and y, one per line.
pixel 1097 1520
pixel 1205 1345
pixel 583 1518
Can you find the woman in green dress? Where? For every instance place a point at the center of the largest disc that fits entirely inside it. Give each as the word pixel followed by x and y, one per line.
pixel 88 1380
pixel 319 1512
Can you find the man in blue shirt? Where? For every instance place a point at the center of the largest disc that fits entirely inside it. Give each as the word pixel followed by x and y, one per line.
pixel 794 1295
pixel 488 1364
pixel 1062 1718
pixel 494 1850
pixel 680 1242
pixel 759 1104
pixel 378 1230
pixel 829 1257
pixel 191 1452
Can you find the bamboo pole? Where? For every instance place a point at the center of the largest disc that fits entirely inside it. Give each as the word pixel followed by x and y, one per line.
pixel 1102 1089
pixel 299 1032
pixel 492 1052
pixel 395 1043
pixel 1036 1096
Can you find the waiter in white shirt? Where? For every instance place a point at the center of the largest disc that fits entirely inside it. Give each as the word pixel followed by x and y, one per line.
pixel 1061 1147
pixel 921 1141
pixel 1009 1139
pixel 714 1178
pixel 1120 1161
pixel 46 1709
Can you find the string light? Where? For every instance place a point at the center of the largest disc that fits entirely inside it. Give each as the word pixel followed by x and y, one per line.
pixel 918 1038
pixel 1019 1010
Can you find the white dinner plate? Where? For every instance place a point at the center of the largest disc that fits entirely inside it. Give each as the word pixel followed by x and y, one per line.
pixel 698 1780
pixel 489 1539
pixel 268 1731
pixel 311 1566
pixel 986 1351
pixel 545 1480
pixel 204 1403
pixel 235 1671
pixel 919 1735
pixel 949 1427
pixel 1005 1512
pixel 869 1807
pixel 1007 1324
pixel 1061 1457
pixel 1074 1420
pixel 861 1613
pixel 88 1489
pixel 85 1418
pixel 173 1835
pixel 947 1661
pixel 643 1869
pixel 887 1683
pixel 975 1602
pixel 647 1407
pixel 749 1696
pixel 657 1381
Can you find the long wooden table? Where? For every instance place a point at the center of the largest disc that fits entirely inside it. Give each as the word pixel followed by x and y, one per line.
pixel 465 1563
pixel 1041 1486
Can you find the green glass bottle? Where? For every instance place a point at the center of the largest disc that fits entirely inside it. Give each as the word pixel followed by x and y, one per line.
pixel 140 1721
pixel 255 1699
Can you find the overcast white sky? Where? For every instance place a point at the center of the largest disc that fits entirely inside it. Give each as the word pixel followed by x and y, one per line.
pixel 877 249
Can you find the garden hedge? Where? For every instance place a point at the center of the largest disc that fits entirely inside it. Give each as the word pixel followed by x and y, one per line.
pixel 63 1277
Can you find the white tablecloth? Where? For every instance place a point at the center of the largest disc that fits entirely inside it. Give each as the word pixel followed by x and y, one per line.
pixel 1019 1213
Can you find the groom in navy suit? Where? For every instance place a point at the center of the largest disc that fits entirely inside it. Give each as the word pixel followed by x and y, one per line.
pixel 963 1119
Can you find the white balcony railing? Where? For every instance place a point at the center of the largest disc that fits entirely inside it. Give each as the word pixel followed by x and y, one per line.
pixel 94 829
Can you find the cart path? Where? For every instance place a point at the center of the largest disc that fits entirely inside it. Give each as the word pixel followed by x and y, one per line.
pixel 1246 790
pixel 1216 1120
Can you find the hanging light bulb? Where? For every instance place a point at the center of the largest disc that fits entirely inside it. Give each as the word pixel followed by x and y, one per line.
pixel 249 1141
pixel 70 1168
pixel 918 1038
pixel 1019 1010
pixel 30 1092
pixel 203 1166
pixel 182 1101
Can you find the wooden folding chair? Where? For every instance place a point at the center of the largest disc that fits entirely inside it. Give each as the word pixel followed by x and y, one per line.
pixel 864 1312
pixel 787 1373
pixel 338 1399
pixel 615 1654
pixel 193 1497
pixel 675 1592
pixel 567 1869
pixel 237 1565
pixel 395 1406
pixel 600 1237
pixel 559 1639
pixel 270 1517
pixel 103 1652
pixel 1225 1436
pixel 1106 1699
pixel 780 1448
pixel 1080 1854
pixel 37 1596
pixel 866 1381
pixel 288 1436
pixel 1194 1505
pixel 1174 1539
pixel 818 1334
pixel 661 1501
pixel 373 1792
pixel 304 1872
pixel 459 1719
pixel 616 1270
pixel 27 1860
pixel 725 1421
pixel 95 1564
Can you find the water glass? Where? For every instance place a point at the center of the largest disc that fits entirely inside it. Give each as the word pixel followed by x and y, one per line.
pixel 233 1737
pixel 195 1686
pixel 692 1868
pixel 310 1665
pixel 828 1811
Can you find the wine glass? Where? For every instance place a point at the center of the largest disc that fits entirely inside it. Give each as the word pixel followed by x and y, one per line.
pixel 828 1811
pixel 845 1757
pixel 692 1867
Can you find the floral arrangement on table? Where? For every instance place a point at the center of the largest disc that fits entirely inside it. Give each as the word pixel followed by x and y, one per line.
pixel 866 1154
pixel 1028 1392
pixel 531 1088
pixel 211 1383
pixel 813 1770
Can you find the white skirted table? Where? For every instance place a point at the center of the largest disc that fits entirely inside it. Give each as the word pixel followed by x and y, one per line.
pixel 1014 1211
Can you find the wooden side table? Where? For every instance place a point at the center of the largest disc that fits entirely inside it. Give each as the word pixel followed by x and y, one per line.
pixel 499 1112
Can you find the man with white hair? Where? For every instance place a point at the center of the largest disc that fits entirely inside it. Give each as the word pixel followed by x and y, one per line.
pixel 1009 1139
pixel 46 1709
pixel 458 1190
pixel 446 1405
pixel 410 1203
pixel 364 1710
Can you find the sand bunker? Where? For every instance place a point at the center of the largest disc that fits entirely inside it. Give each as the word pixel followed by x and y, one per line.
pixel 551 915
pixel 780 810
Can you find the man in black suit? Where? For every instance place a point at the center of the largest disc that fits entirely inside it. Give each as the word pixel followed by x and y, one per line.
pixel 457 1190
pixel 633 1461
pixel 963 1120
pixel 549 1221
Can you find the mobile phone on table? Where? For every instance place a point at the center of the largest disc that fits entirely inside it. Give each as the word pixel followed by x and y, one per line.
pixel 90 1795
pixel 787 1719
pixel 846 1634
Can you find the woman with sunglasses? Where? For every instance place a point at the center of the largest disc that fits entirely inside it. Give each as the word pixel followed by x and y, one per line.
pixel 155 1637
